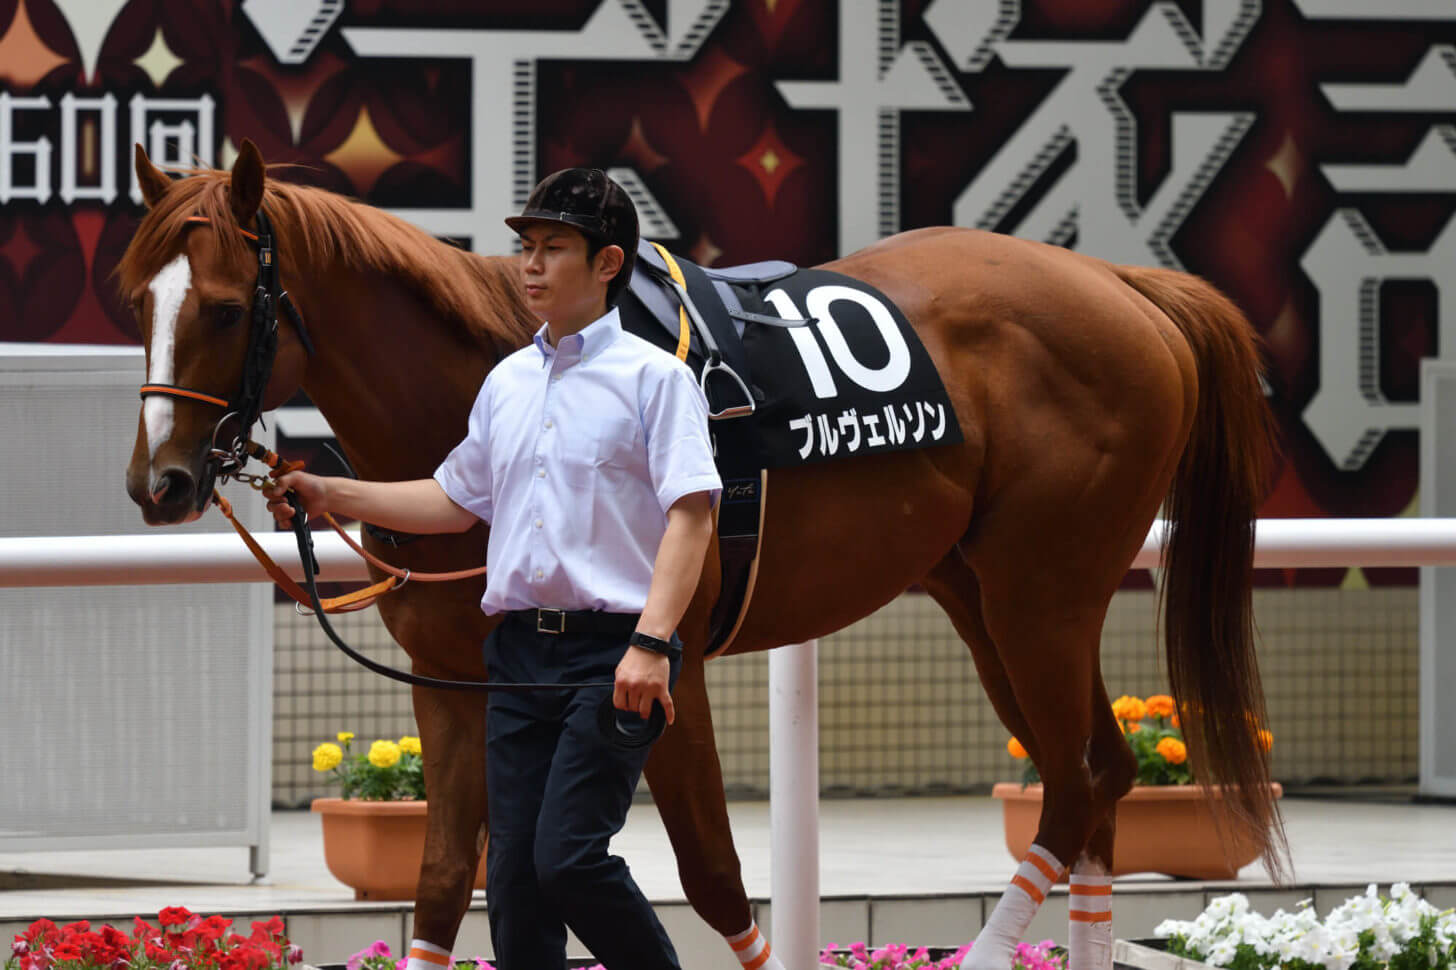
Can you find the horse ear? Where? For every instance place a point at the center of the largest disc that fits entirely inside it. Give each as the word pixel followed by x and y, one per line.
pixel 153 181
pixel 247 185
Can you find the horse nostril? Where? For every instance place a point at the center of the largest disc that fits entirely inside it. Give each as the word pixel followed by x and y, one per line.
pixel 173 487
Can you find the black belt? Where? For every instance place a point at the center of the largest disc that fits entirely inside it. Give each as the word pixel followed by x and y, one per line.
pixel 577 621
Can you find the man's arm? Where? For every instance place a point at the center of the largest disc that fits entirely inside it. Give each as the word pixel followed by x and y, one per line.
pixel 420 507
pixel 642 676
pixel 678 566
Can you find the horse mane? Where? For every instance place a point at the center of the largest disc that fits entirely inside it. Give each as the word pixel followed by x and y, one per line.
pixel 477 293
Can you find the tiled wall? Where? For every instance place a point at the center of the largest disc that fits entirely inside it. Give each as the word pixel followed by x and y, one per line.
pixel 901 709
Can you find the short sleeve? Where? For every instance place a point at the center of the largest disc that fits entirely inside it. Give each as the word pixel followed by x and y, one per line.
pixel 679 451
pixel 465 473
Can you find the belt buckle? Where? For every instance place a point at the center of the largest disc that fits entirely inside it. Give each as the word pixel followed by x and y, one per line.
pixel 560 621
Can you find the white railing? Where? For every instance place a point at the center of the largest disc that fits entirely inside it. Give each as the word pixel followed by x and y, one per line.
pixel 221 558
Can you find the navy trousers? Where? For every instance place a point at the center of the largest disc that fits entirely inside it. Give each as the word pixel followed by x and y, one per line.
pixel 559 791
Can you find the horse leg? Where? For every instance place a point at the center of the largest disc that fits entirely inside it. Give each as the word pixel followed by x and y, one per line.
pixel 954 586
pixel 1113 767
pixel 452 737
pixel 687 785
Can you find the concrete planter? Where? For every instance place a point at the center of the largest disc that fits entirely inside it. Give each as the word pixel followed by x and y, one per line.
pixel 1160 828
pixel 375 848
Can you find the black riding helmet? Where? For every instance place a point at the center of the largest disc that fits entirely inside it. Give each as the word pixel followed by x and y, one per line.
pixel 588 201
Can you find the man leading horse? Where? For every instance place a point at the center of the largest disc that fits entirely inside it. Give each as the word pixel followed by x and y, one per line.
pixel 588 455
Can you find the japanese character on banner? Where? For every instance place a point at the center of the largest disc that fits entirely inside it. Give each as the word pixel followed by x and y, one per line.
pixel 928 410
pixel 894 427
pixel 806 425
pixel 828 437
pixel 872 425
pixel 849 422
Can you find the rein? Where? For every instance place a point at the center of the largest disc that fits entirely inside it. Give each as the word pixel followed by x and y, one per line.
pixel 225 463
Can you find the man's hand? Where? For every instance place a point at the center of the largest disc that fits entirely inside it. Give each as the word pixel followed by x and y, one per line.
pixel 642 677
pixel 312 491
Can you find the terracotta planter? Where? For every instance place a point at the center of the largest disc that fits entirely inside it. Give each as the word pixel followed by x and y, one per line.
pixel 375 848
pixel 1160 828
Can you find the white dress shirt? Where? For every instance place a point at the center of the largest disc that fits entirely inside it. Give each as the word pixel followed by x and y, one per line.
pixel 574 455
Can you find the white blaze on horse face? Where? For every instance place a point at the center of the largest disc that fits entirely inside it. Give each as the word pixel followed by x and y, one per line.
pixel 169 289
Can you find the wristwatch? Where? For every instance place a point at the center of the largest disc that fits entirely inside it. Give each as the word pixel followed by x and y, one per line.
pixel 665 647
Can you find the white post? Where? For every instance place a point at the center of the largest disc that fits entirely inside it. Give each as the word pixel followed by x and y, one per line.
pixel 793 714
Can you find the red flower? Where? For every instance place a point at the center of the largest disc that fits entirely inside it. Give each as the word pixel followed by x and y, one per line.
pixel 175 916
pixel 39 930
pixel 214 927
pixel 143 930
pixel 273 927
pixel 66 951
pixel 80 926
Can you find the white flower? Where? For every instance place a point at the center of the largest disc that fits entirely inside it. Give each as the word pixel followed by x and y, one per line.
pixel 1222 953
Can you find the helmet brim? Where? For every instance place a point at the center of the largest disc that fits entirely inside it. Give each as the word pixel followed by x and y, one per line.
pixel 585 225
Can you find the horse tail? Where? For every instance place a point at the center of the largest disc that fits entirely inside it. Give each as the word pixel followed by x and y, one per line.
pixel 1211 507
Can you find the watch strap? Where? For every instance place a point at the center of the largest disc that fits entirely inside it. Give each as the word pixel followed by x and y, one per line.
pixel 665 647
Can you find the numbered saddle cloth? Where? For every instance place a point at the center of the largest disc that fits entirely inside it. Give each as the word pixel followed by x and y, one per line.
pixel 833 368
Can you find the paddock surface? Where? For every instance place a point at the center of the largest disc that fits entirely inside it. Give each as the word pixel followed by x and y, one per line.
pixel 915 870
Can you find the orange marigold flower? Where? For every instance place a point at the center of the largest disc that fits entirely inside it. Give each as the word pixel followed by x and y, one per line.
pixel 1014 748
pixel 1133 727
pixel 1161 705
pixel 1173 751
pixel 1266 739
pixel 1127 708
pixel 1173 720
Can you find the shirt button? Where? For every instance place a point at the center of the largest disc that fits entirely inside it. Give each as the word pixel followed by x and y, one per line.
pixel 539 523
pixel 538 574
pixel 540 473
pixel 548 422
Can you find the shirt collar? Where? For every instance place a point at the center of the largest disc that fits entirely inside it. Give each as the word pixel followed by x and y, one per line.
pixel 586 343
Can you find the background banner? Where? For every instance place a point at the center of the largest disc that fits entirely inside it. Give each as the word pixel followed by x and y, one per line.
pixel 1300 154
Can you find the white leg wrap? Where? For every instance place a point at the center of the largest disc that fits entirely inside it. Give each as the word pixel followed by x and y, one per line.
pixel 427 956
pixel 752 949
pixel 1089 920
pixel 996 943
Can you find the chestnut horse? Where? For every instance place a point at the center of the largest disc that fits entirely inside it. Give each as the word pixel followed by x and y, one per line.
pixel 1088 395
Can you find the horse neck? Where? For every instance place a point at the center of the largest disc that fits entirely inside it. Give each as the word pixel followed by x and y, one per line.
pixel 394 380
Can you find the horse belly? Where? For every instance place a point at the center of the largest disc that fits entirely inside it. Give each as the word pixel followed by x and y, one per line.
pixel 841 539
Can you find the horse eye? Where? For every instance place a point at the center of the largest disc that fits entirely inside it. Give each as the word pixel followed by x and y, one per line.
pixel 228 315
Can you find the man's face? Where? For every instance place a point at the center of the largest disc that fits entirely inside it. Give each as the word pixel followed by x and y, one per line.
pixel 559 282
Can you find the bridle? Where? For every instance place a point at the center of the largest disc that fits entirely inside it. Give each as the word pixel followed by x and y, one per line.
pixel 225 463
pixel 246 406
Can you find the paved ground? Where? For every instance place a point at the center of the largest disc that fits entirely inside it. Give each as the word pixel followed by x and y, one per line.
pixel 886 864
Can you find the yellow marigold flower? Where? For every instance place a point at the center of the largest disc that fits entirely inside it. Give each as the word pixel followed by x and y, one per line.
pixel 1127 708
pixel 327 756
pixel 409 745
pixel 345 737
pixel 1266 739
pixel 1014 748
pixel 1161 705
pixel 1173 751
pixel 384 754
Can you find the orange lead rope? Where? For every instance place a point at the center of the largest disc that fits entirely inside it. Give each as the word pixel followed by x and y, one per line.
pixel 349 602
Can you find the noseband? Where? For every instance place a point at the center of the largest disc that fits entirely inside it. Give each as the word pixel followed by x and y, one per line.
pixel 246 406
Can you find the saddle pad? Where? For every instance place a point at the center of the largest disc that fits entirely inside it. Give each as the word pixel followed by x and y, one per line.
pixel 855 380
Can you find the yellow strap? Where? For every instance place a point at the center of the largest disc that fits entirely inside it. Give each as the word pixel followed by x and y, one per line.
pixel 675 272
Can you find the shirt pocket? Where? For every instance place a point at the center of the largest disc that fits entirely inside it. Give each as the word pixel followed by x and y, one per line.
pixel 605 452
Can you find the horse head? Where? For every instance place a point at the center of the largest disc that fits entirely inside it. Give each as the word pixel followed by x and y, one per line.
pixel 207 308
